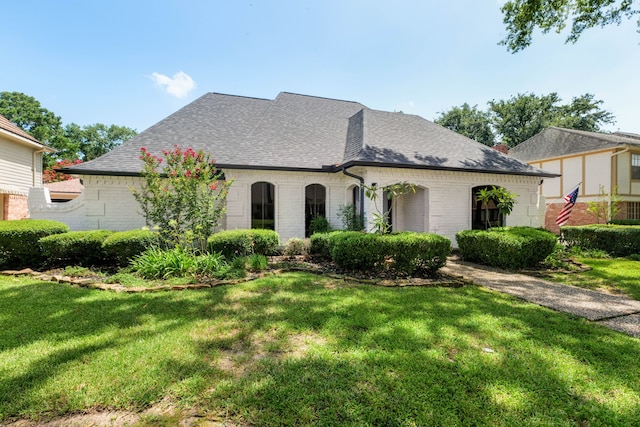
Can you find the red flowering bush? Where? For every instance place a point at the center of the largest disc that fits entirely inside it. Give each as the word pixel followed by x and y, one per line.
pixel 51 174
pixel 183 193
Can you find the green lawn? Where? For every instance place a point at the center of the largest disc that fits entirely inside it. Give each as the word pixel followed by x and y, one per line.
pixel 300 349
pixel 616 275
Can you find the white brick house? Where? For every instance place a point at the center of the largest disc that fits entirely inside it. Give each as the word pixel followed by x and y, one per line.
pixel 298 156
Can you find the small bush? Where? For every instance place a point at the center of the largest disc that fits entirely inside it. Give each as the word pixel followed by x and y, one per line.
pixel 318 224
pixel 616 240
pixel 506 247
pixel 257 262
pixel 239 243
pixel 156 263
pixel 123 246
pixel 296 246
pixel 19 241
pixel 82 248
pixel 354 250
pixel 417 251
pixel 320 243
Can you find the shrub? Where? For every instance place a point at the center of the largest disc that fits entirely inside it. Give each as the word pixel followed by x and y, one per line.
pixel 156 263
pixel 625 221
pixel 355 250
pixel 123 246
pixel 319 224
pixel 19 241
pixel 422 251
pixel 82 248
pixel 616 240
pixel 239 243
pixel 320 243
pixel 506 247
pixel 297 246
pixel 351 221
pixel 257 262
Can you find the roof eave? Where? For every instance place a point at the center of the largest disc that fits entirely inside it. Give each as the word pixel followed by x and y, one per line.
pixel 324 169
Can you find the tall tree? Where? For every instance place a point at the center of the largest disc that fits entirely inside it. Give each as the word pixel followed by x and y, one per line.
pixel 524 115
pixel 468 121
pixel 520 117
pixel 27 113
pixel 73 142
pixel 93 141
pixel 522 17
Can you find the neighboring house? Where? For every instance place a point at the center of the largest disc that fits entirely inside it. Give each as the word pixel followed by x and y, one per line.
pixel 590 158
pixel 20 169
pixel 63 191
pixel 298 156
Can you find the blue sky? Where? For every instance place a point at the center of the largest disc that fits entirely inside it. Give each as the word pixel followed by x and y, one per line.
pixel 134 62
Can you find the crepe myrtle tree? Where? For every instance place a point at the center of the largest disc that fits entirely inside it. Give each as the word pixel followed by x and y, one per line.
pixel 183 194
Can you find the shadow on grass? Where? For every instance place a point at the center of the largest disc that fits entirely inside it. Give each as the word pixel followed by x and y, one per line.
pixel 303 349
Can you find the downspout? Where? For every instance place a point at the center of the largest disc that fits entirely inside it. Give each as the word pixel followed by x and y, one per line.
pixel 361 179
pixel 33 165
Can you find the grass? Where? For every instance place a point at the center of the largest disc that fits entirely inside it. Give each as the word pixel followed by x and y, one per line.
pixel 614 275
pixel 300 349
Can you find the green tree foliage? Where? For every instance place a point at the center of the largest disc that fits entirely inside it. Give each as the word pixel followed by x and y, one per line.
pixel 522 17
pixel 26 112
pixel 504 199
pixel 468 121
pixel 72 141
pixel 520 117
pixel 93 141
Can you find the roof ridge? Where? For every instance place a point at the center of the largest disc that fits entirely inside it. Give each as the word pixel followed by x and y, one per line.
pixel 320 97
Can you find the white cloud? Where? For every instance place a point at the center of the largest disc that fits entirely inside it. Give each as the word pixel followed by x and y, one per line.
pixel 179 85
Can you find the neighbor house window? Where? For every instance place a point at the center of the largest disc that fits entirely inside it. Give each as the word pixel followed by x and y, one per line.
pixel 635 166
pixel 633 210
pixel 263 206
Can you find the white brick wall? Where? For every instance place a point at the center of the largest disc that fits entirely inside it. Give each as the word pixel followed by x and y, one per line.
pixel 107 202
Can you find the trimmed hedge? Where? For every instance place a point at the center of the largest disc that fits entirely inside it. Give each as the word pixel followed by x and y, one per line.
pixel 403 252
pixel 355 250
pixel 506 247
pixel 19 241
pixel 321 243
pixel 235 243
pixel 123 246
pixel 82 248
pixel 616 240
pixel 411 251
pixel 625 222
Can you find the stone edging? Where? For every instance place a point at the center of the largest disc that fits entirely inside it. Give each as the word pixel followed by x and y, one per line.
pixel 450 281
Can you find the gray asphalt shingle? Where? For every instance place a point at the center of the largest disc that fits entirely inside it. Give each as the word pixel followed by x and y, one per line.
pixel 301 132
pixel 556 142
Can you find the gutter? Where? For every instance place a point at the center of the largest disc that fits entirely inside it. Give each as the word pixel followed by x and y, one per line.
pixel 361 179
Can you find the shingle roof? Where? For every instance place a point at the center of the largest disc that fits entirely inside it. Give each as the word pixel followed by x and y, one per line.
pixel 6 125
pixel 556 142
pixel 300 132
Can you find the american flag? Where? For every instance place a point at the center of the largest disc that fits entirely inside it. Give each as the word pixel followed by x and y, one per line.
pixel 565 213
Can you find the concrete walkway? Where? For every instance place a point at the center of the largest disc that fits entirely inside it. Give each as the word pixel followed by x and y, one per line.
pixel 614 311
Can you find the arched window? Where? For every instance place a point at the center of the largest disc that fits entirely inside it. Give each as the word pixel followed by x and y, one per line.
pixel 315 196
pixel 483 215
pixel 263 206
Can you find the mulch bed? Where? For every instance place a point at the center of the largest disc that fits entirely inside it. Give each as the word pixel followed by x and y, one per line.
pixel 277 265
